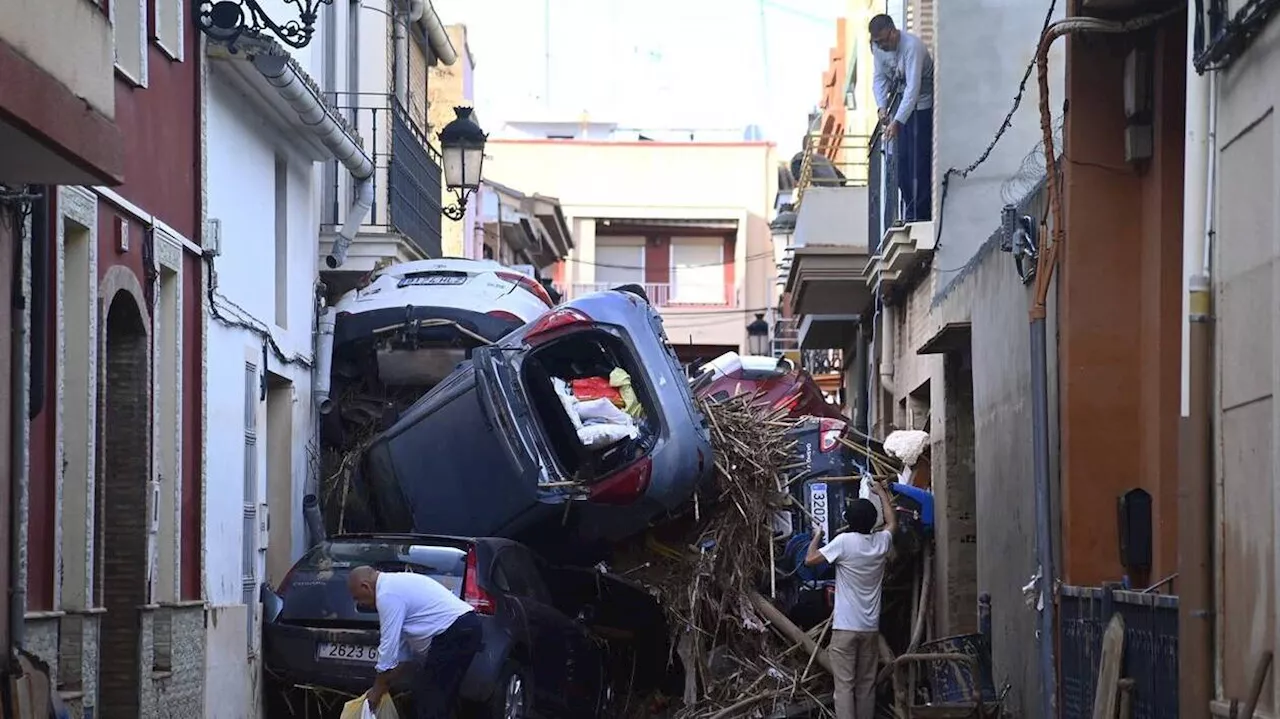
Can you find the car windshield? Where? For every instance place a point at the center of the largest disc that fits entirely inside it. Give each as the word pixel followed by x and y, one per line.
pixel 315 591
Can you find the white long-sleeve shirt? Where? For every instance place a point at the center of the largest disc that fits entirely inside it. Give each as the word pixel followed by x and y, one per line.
pixel 910 66
pixel 412 608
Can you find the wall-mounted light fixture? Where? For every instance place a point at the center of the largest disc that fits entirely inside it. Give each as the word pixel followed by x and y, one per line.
pixel 1019 238
pixel 226 21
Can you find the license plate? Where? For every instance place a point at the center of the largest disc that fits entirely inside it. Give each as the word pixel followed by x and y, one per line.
pixel 435 280
pixel 361 653
pixel 819 507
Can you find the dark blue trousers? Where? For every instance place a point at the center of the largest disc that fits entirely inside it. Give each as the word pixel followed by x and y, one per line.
pixel 435 689
pixel 915 166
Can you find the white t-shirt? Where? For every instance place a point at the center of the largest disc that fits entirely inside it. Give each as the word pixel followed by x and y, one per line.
pixel 859 560
pixel 412 608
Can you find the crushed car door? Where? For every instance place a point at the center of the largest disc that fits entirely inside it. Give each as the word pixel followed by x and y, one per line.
pixel 503 396
pixel 546 646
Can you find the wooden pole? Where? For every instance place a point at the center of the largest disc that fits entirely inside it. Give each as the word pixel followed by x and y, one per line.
pixel 788 629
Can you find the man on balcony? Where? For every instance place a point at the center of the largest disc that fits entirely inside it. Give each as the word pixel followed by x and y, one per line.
pixel 903 89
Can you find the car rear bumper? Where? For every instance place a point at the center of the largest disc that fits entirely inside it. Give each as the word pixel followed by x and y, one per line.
pixel 289 658
pixel 363 325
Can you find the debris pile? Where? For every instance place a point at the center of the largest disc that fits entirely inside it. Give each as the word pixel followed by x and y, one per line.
pixel 712 572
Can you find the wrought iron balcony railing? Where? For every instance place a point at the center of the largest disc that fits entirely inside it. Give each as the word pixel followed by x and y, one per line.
pixel 407 195
pixel 831 161
pixel 820 362
pixel 884 197
pixel 662 294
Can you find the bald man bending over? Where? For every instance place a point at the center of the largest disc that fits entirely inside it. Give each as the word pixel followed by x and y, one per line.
pixel 419 619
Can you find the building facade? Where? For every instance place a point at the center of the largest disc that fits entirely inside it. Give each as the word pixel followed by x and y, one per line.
pixel 687 220
pixel 376 71
pixel 57 126
pixel 451 86
pixel 115 547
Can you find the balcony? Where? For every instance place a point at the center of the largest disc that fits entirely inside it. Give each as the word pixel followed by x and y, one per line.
pixel 665 295
pixel 59 120
pixel 404 222
pixel 829 247
pixel 901 249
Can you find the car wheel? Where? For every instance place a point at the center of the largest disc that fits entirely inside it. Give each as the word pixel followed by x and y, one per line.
pixel 636 290
pixel 513 696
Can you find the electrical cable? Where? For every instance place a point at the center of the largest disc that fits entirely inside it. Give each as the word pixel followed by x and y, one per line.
pixel 1234 36
pixel 1004 127
pixel 252 325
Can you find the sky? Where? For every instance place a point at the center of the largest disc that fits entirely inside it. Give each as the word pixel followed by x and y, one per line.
pixel 687 64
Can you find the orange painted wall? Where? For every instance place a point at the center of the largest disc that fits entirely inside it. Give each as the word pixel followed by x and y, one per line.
pixel 1119 306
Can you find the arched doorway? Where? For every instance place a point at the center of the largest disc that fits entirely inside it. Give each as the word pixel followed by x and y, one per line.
pixel 122 516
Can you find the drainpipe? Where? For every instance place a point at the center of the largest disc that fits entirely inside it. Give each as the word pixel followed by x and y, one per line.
pixel 886 347
pixel 437 36
pixel 324 359
pixel 305 100
pixel 19 371
pixel 1045 264
pixel 1195 478
pixel 400 41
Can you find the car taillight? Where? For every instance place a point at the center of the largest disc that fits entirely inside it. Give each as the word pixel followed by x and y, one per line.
pixel 554 320
pixel 529 284
pixel 624 487
pixel 829 431
pixel 472 592
pixel 505 316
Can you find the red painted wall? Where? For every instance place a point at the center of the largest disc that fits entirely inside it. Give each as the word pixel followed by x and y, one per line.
pixel 161 128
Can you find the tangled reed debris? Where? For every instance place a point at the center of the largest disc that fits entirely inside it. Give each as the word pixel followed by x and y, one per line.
pixel 711 573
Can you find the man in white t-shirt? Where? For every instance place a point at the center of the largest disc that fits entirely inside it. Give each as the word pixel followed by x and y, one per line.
pixel 859 557
pixel 420 620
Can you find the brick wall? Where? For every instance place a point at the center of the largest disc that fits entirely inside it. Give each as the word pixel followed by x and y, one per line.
pixel 125 470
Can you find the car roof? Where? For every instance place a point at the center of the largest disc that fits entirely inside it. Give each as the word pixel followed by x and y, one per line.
pixel 391 537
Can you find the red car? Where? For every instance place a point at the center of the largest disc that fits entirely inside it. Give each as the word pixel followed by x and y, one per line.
pixel 779 383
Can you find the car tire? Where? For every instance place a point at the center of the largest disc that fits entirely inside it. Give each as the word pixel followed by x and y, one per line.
pixel 512 697
pixel 633 289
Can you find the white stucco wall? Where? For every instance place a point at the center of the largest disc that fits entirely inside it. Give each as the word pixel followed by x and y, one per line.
pixel 983 49
pixel 241 188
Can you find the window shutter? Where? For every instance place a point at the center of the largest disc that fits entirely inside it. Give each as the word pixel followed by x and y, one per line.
pixel 249 539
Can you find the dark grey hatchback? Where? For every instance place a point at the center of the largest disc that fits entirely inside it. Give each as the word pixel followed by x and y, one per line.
pixel 536 661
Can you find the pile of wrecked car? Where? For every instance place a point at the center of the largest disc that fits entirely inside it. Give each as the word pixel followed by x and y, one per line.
pixel 635 539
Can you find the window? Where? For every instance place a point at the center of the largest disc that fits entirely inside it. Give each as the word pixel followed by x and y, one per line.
pixel 620 260
pixel 168 27
pixel 129 29
pixel 697 270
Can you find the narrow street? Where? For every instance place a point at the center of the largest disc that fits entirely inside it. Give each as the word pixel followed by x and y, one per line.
pixel 712 360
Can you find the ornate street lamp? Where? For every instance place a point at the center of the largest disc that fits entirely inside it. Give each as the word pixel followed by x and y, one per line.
pixel 462 147
pixel 758 337
pixel 228 20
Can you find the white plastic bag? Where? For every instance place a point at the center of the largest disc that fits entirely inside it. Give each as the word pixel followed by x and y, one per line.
pixel 568 400
pixel 867 491
pixel 358 708
pixel 599 435
pixel 602 411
